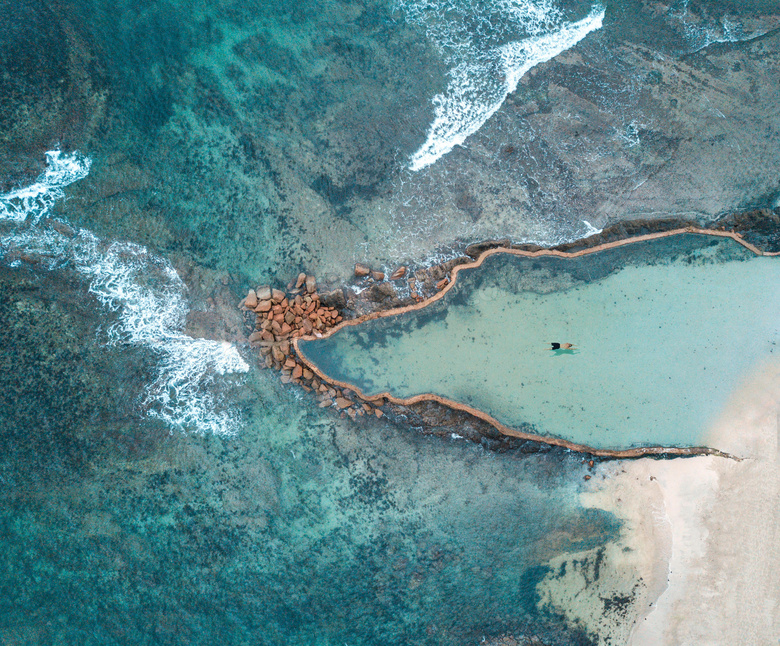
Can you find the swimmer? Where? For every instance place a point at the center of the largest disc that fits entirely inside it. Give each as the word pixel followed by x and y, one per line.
pixel 561 346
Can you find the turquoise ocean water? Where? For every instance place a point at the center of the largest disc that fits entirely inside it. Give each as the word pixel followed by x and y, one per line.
pixel 159 158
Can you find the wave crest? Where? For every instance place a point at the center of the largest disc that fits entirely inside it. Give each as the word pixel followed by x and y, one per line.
pixel 489 46
pixel 144 291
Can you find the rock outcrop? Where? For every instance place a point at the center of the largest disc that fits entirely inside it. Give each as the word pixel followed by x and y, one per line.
pixel 278 318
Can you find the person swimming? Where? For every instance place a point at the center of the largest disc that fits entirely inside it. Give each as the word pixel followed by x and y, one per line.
pixel 561 346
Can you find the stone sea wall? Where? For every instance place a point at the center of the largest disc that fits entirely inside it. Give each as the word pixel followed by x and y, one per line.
pixel 279 318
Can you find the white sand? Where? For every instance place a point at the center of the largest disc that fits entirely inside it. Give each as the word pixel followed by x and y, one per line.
pixel 702 534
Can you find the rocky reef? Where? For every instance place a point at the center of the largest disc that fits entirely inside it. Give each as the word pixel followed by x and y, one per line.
pixel 281 317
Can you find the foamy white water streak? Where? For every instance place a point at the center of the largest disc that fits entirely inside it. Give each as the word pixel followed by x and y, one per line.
pixel 36 200
pixel 490 46
pixel 702 30
pixel 146 293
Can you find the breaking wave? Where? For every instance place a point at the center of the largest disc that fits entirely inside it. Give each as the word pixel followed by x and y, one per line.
pixel 145 292
pixel 35 201
pixel 489 46
pixel 702 26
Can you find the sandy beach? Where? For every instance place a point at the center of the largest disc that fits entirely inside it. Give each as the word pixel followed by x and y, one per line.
pixel 701 535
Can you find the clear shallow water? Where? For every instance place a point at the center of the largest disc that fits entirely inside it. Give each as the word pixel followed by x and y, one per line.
pixel 659 346
pixel 300 530
pixel 152 492
pixel 145 500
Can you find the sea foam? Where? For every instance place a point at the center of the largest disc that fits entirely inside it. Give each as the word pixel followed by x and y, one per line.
pixel 701 30
pixel 145 292
pixel 35 201
pixel 489 47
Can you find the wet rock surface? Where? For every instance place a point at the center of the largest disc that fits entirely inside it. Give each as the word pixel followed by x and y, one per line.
pixel 760 227
pixel 605 133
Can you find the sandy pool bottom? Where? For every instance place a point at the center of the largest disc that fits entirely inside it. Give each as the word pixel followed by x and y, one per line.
pixel 659 349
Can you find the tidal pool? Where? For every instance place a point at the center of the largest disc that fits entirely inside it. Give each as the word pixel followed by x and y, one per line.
pixel 664 331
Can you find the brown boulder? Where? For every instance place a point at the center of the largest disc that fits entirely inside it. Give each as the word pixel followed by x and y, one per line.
pixel 361 270
pixel 251 300
pixel 398 273
pixel 255 337
pixel 442 283
pixel 378 275
pixel 343 402
pixel 263 293
pixel 300 280
pixel 277 295
pixel 263 306
pixel 311 284
pixel 297 372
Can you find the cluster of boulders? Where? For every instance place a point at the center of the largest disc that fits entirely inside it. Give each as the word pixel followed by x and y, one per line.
pixel 281 317
pixel 347 402
pixel 418 283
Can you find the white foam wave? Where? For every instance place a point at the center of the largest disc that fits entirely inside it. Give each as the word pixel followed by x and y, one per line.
pixel 489 47
pixel 701 31
pixel 149 299
pixel 36 200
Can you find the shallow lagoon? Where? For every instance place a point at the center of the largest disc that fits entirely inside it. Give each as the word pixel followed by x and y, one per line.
pixel 663 333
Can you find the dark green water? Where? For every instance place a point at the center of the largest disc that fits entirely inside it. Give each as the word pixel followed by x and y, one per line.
pixel 157 488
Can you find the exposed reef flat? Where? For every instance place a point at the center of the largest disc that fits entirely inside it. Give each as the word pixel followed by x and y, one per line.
pixel 523 436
